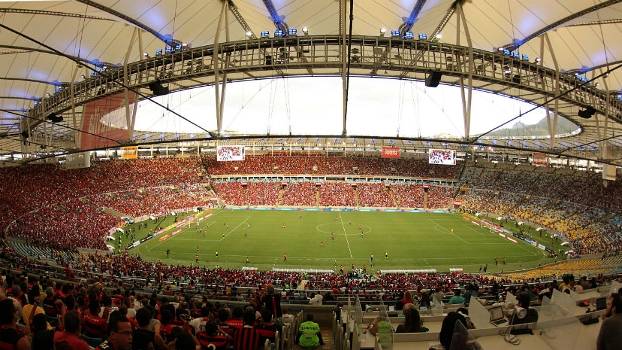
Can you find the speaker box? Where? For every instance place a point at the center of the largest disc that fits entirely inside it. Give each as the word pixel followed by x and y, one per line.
pixel 158 89
pixel 587 113
pixel 433 79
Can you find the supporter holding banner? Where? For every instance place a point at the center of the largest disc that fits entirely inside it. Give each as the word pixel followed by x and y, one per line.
pixel 442 156
pixel 390 152
pixel 229 153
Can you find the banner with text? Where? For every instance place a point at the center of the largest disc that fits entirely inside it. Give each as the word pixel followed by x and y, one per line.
pixel 539 159
pixel 229 153
pixel 442 156
pixel 390 152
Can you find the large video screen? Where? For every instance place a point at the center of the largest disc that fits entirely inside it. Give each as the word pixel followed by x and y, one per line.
pixel 229 153
pixel 442 156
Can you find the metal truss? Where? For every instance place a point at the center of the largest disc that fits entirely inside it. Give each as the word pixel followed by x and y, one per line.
pixel 293 56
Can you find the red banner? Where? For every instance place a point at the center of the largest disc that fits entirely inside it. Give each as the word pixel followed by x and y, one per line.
pixel 539 159
pixel 390 152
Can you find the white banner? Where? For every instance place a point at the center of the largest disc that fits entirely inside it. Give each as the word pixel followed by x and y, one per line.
pixel 229 153
pixel 442 156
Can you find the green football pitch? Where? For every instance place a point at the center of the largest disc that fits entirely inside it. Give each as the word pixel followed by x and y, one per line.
pixel 329 240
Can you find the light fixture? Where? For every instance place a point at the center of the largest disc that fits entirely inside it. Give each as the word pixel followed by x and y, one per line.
pixel 292 32
pixel 537 60
pixel 395 33
pixel 305 30
pixel 249 34
pixel 383 30
pixel 439 36
pixel 265 34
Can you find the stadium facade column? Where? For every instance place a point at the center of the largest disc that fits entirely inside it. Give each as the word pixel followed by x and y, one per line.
pixel 604 145
pixel 551 119
pixel 343 53
pixel 466 100
pixel 72 91
pixel 126 97
pixel 220 97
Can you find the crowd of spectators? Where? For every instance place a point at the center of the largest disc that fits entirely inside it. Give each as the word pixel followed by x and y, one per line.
pixel 330 165
pixel 337 194
pixel 374 195
pixel 334 193
pixel 572 203
pixel 46 314
pixel 248 193
pixel 300 194
pixel 77 313
pixel 64 208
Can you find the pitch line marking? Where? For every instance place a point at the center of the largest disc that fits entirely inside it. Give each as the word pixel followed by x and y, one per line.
pixel 345 234
pixel 233 229
pixel 449 231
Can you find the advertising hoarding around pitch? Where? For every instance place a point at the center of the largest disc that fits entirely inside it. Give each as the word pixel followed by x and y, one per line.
pixel 442 156
pixel 229 153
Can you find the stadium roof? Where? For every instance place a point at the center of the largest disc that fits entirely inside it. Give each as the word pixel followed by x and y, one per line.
pixel 584 35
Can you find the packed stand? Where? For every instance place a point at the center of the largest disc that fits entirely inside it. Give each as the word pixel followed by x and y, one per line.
pixel 337 194
pixel 374 195
pixel 248 193
pixel 572 203
pixel 58 207
pixel 300 194
pixel 330 165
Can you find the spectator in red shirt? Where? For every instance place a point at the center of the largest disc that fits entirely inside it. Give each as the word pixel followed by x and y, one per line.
pixel 70 338
pixel 94 325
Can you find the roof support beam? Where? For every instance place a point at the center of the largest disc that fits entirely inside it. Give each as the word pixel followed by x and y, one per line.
pixel 238 17
pixel 344 63
pixel 412 18
pixel 127 19
pixel 219 99
pixel 589 69
pixel 517 43
pixel 30 80
pixel 468 97
pixel 276 18
pixel 50 13
pixel 19 98
pixel 439 28
pixel 49 52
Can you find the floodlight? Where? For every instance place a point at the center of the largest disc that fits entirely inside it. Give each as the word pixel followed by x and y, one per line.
pixel 279 33
pixel 265 34
pixel 423 36
pixel 395 33
pixel 409 36
pixel 383 30
pixel 249 34
pixel 292 32
pixel 305 30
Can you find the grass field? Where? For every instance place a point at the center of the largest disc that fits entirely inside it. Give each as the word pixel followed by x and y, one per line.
pixel 412 241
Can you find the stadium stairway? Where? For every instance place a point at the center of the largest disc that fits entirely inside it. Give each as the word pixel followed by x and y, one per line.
pixel 392 196
pixel 113 212
pixel 279 199
pixel 356 196
pixel 317 197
